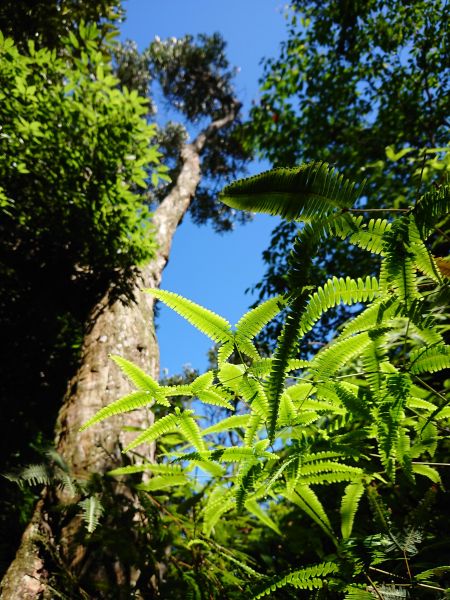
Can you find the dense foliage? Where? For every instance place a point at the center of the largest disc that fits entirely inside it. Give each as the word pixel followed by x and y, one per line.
pixel 365 86
pixel 75 153
pixel 354 437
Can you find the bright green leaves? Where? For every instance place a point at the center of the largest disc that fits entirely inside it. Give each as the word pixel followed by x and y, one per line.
pixel 77 147
pixel 354 417
pixel 206 321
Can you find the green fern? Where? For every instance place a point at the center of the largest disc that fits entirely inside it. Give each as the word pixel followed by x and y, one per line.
pixel 255 509
pixel 206 321
pixel 430 210
pixel 304 497
pixel 233 422
pixel 125 404
pixel 300 193
pixel 430 360
pixel 310 578
pixel 147 467
pixel 161 482
pixel 256 319
pixel 92 510
pixel 334 292
pixel 164 425
pixel 138 377
pixel 349 506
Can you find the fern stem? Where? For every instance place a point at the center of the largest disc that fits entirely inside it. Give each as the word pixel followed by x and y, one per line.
pixel 375 589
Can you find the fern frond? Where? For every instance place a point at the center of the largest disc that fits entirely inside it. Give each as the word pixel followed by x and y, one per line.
pixel 354 403
pixel 138 377
pixel 433 574
pixel 214 398
pixel 255 509
pixel 252 391
pixel 38 474
pixel 92 511
pixel 326 467
pixel 233 422
pixel 252 429
pixel 286 349
pixel 256 319
pixel 202 382
pixel 301 193
pixel 355 593
pixel 159 468
pixel 215 327
pixel 176 390
pixel 161 482
pixel 304 497
pixel 430 209
pixel 373 316
pixel 430 360
pixel 427 471
pixel 191 431
pixel 245 482
pixel 341 351
pixel 398 266
pixel 349 506
pixel 164 425
pixel 336 291
pixel 224 352
pixel 125 404
pixel 219 502
pixel 370 236
pixel 230 376
pixel 388 417
pixel 310 578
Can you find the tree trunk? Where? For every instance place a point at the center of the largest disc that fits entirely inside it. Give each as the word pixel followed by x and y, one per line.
pixel 115 327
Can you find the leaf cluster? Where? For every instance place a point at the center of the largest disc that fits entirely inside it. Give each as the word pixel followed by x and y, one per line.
pixel 359 422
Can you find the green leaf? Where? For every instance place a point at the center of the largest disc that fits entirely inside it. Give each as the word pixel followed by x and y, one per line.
pixel 206 321
pixel 126 404
pixel 427 471
pixel 301 193
pixel 140 379
pixel 349 506
pixel 92 511
pixel 164 425
pixel 162 481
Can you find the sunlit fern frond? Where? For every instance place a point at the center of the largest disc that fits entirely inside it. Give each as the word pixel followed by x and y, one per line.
pixel 430 360
pixel 349 506
pixel 253 321
pixel 215 327
pixel 137 376
pixel 158 468
pixel 310 578
pixel 92 510
pixel 254 508
pixel 336 291
pixel 125 404
pixel 160 427
pixel 305 498
pixel 233 422
pixel 160 482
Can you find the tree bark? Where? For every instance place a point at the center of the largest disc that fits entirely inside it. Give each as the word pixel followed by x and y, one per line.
pixel 114 327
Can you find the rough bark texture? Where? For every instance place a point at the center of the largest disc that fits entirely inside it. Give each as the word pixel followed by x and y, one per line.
pixel 115 327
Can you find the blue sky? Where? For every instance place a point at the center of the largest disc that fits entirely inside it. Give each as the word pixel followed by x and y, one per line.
pixel 253 30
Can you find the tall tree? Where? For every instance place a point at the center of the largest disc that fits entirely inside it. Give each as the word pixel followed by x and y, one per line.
pixel 195 76
pixel 356 84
